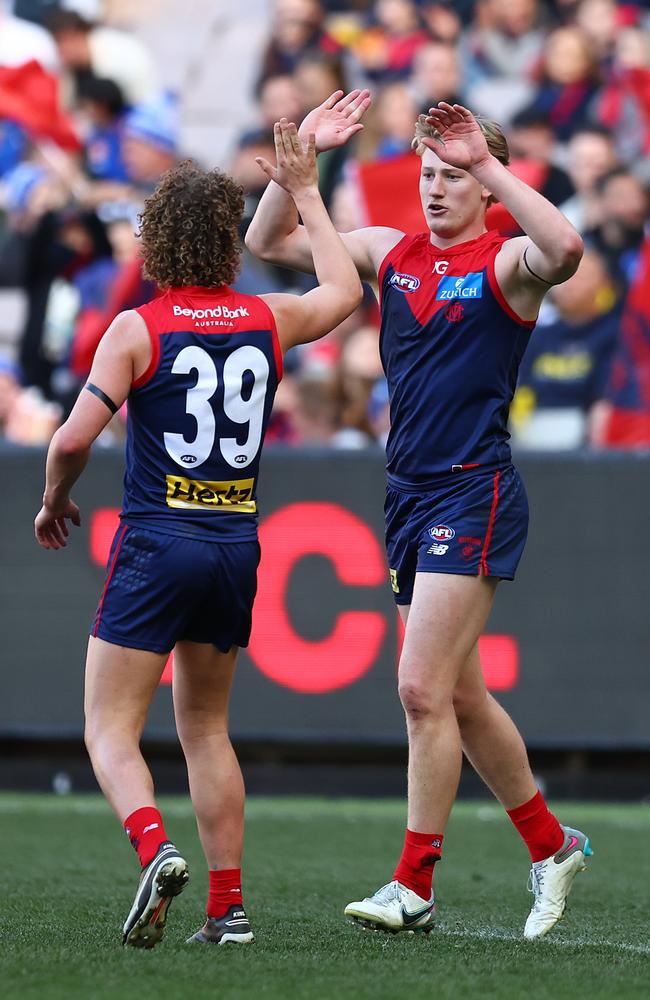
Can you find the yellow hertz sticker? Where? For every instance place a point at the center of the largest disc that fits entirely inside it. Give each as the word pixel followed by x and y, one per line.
pixel 194 494
pixel 393 580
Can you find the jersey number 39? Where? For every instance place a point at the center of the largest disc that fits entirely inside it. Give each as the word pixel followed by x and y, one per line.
pixel 241 411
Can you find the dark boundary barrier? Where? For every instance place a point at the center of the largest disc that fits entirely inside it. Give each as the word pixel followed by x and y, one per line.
pixel 567 649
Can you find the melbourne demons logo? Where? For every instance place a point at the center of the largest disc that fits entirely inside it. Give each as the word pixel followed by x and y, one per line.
pixel 405 282
pixel 455 312
pixel 441 533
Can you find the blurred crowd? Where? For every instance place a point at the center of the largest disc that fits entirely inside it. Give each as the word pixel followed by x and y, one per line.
pixel 86 132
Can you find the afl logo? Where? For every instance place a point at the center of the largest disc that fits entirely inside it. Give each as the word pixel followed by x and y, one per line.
pixel 441 533
pixel 405 282
pixel 188 459
pixel 240 459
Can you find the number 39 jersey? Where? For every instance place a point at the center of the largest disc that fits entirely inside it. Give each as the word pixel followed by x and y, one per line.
pixel 198 414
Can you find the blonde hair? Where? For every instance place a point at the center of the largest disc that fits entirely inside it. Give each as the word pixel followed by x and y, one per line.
pixel 496 140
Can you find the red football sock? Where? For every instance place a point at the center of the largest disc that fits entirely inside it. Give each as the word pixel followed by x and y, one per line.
pixel 225 891
pixel 415 868
pixel 145 830
pixel 537 825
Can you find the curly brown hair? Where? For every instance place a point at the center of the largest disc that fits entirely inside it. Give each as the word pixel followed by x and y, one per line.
pixel 189 228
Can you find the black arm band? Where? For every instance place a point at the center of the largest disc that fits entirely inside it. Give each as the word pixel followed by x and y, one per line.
pixel 530 270
pixel 96 391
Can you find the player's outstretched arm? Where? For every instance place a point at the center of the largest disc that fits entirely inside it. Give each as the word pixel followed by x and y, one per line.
pixel 551 250
pixel 275 233
pixel 108 386
pixel 307 317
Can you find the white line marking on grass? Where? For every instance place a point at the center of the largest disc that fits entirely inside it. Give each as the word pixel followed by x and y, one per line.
pixel 483 934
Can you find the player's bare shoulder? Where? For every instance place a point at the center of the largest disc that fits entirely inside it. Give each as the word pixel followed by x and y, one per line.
pixel 127 337
pixel 369 246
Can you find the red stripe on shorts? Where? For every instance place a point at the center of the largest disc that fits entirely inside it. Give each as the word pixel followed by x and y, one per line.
pixel 483 566
pixel 108 578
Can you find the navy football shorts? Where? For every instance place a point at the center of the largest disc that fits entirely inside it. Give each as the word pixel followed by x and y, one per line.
pixel 162 588
pixel 468 524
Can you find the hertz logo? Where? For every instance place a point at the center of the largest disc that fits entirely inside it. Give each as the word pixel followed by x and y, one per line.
pixel 234 496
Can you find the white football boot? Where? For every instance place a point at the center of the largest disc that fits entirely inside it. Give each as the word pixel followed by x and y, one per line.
pixel 550 881
pixel 393 908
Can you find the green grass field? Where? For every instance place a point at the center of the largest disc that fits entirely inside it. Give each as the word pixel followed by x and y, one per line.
pixel 68 876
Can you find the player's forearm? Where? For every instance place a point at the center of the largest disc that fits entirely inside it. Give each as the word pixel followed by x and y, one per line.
pixel 66 460
pixel 276 218
pixel 332 262
pixel 553 235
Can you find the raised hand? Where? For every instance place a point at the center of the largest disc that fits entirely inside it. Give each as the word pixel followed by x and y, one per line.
pixel 462 143
pixel 295 168
pixel 337 119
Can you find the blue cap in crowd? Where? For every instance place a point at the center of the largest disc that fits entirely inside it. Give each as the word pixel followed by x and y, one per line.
pixel 155 121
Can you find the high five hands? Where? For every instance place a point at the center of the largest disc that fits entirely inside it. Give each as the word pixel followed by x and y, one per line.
pixel 461 142
pixel 337 119
pixel 295 168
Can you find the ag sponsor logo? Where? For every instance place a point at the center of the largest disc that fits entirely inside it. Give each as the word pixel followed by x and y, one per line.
pixel 405 282
pixel 442 533
pixel 234 496
pixel 468 286
pixel 440 267
pixel 217 312
pixel 437 549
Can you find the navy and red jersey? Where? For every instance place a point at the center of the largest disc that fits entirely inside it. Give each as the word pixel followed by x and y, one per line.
pixel 451 348
pixel 198 414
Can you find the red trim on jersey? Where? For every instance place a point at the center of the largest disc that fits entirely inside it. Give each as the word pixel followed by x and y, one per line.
pixel 498 294
pixel 483 566
pixel 154 337
pixel 108 578
pixel 277 346
pixel 386 261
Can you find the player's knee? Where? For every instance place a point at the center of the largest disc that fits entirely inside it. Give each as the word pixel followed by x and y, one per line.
pixel 419 701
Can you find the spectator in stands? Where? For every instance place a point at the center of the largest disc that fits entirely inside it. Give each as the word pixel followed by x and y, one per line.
pixel 444 18
pixel 619 232
pixel 569 82
pixel 87 48
pixel 314 416
pixel 590 155
pixel 151 141
pixel 531 138
pixel 278 97
pixel 394 113
pixel 599 21
pixel 386 50
pixel 436 76
pixel 297 29
pixel 505 42
pixel 102 110
pixel 624 104
pixel 566 365
pixel 358 371
pixel 316 77
pixel 622 418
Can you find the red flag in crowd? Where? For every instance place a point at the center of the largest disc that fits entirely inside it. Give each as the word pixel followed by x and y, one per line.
pixel 29 96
